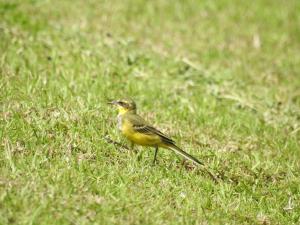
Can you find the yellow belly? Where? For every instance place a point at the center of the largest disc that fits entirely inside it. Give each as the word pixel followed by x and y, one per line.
pixel 139 138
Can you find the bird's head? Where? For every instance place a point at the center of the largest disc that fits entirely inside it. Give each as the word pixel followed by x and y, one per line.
pixel 124 105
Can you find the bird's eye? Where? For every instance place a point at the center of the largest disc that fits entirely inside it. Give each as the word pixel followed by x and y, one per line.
pixel 122 103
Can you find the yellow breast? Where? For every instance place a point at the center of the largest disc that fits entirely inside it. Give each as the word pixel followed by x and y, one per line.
pixel 137 137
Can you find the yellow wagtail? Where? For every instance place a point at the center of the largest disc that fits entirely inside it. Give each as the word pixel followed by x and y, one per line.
pixel 138 131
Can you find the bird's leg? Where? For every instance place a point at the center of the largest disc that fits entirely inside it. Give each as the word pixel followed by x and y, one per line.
pixel 133 148
pixel 155 154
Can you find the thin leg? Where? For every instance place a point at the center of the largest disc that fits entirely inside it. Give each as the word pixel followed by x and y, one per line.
pixel 133 148
pixel 155 154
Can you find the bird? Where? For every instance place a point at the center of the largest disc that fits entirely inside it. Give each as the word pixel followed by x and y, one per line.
pixel 140 132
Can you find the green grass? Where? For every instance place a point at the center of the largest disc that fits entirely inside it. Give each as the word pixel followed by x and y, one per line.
pixel 222 78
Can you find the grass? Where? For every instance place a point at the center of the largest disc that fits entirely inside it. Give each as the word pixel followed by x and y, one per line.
pixel 221 78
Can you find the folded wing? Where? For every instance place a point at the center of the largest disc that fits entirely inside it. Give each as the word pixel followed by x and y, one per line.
pixel 146 129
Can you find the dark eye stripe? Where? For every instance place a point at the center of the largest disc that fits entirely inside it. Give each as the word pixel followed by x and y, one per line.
pixel 122 103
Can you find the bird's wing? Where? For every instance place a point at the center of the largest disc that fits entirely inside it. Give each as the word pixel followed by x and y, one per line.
pixel 141 126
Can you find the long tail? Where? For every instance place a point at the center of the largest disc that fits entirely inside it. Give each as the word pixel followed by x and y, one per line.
pixel 184 154
pixel 179 151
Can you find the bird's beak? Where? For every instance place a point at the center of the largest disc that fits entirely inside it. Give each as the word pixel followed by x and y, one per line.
pixel 112 103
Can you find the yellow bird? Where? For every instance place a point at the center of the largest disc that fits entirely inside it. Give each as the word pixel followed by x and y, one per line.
pixel 139 132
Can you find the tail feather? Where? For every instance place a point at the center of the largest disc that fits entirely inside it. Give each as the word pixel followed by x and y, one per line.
pixel 184 154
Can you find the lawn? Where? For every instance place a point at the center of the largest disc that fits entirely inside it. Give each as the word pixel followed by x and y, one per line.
pixel 221 78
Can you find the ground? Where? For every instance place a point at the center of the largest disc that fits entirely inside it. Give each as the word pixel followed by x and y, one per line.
pixel 220 77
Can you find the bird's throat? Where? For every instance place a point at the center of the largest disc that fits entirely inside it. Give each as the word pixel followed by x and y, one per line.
pixel 123 111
